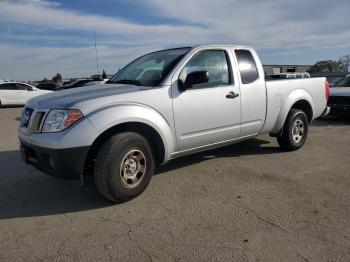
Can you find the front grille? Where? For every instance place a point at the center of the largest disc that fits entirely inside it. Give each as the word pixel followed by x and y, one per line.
pixel 32 119
pixel 36 124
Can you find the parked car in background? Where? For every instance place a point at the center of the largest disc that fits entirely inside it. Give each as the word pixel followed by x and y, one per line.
pixel 288 76
pixel 78 83
pixel 47 86
pixel 161 106
pixel 15 93
pixel 96 82
pixel 339 97
pixel 334 80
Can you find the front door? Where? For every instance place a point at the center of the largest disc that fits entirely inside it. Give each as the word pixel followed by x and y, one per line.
pixel 208 113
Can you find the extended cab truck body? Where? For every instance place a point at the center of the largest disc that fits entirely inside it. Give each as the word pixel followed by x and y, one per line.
pixel 161 106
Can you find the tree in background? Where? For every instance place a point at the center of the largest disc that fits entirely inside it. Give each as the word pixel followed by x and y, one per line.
pixel 328 66
pixel 104 75
pixel 57 78
pixel 345 60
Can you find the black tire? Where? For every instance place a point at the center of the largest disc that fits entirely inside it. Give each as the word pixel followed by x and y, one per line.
pixel 288 141
pixel 110 179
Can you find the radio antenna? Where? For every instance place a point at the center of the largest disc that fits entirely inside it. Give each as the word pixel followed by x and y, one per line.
pixel 98 68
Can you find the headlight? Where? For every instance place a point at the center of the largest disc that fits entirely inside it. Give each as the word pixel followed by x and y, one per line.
pixel 58 120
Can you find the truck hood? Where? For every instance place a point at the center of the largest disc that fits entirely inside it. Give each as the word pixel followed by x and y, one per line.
pixel 339 91
pixel 69 97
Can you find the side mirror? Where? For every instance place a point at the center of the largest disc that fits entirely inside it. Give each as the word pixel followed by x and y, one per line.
pixel 196 78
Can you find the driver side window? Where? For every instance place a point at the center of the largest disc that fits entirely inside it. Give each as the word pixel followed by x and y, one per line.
pixel 212 61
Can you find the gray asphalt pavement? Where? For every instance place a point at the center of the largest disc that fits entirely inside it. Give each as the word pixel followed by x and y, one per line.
pixel 246 202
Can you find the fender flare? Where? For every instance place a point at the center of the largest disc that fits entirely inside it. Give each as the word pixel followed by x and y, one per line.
pixel 292 98
pixel 136 113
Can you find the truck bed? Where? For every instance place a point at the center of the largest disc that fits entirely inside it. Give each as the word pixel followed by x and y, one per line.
pixel 282 91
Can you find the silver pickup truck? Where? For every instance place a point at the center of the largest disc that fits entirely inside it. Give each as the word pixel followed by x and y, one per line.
pixel 161 106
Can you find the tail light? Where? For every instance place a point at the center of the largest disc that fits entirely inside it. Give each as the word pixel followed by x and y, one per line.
pixel 327 89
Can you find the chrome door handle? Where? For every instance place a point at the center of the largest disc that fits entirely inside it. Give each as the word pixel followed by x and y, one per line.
pixel 232 95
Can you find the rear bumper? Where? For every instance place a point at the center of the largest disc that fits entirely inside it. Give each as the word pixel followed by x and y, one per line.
pixel 65 163
pixel 339 104
pixel 340 109
pixel 326 111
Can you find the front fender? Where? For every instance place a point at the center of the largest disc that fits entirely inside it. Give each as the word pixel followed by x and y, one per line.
pixel 291 99
pixel 106 118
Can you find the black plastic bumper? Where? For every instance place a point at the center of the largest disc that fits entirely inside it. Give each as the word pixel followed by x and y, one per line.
pixel 63 163
pixel 340 109
pixel 339 105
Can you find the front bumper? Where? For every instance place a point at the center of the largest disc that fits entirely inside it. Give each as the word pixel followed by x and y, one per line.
pixel 65 163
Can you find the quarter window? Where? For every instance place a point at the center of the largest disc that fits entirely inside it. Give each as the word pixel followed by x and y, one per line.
pixel 247 66
pixel 213 61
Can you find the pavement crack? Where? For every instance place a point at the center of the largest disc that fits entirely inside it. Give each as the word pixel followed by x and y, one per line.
pixel 271 223
pixel 109 252
pixel 302 257
pixel 145 252
pixel 62 244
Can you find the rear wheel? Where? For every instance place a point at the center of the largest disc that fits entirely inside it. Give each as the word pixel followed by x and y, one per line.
pixel 295 131
pixel 124 167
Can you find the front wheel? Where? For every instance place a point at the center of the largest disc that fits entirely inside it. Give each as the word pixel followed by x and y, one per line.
pixel 295 131
pixel 124 167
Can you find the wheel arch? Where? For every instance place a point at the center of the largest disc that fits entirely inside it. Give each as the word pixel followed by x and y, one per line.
pixel 151 135
pixel 304 106
pixel 297 99
pixel 135 118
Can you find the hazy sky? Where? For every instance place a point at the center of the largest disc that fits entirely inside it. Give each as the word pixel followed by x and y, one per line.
pixel 39 38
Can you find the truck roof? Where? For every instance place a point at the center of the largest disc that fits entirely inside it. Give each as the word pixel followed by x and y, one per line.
pixel 208 46
pixel 221 45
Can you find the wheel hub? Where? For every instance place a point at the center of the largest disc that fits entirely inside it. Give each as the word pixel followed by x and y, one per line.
pixel 298 131
pixel 132 168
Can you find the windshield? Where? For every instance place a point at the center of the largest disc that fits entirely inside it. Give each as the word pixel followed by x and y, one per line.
pixel 150 69
pixel 345 82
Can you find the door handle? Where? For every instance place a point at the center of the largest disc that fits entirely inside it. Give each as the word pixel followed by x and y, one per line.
pixel 232 95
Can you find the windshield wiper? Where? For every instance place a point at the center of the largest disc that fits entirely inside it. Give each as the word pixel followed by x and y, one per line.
pixel 127 81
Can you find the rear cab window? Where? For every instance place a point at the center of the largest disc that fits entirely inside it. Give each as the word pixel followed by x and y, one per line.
pixel 247 66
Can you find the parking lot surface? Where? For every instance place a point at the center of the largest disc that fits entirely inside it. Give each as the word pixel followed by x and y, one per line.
pixel 245 202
